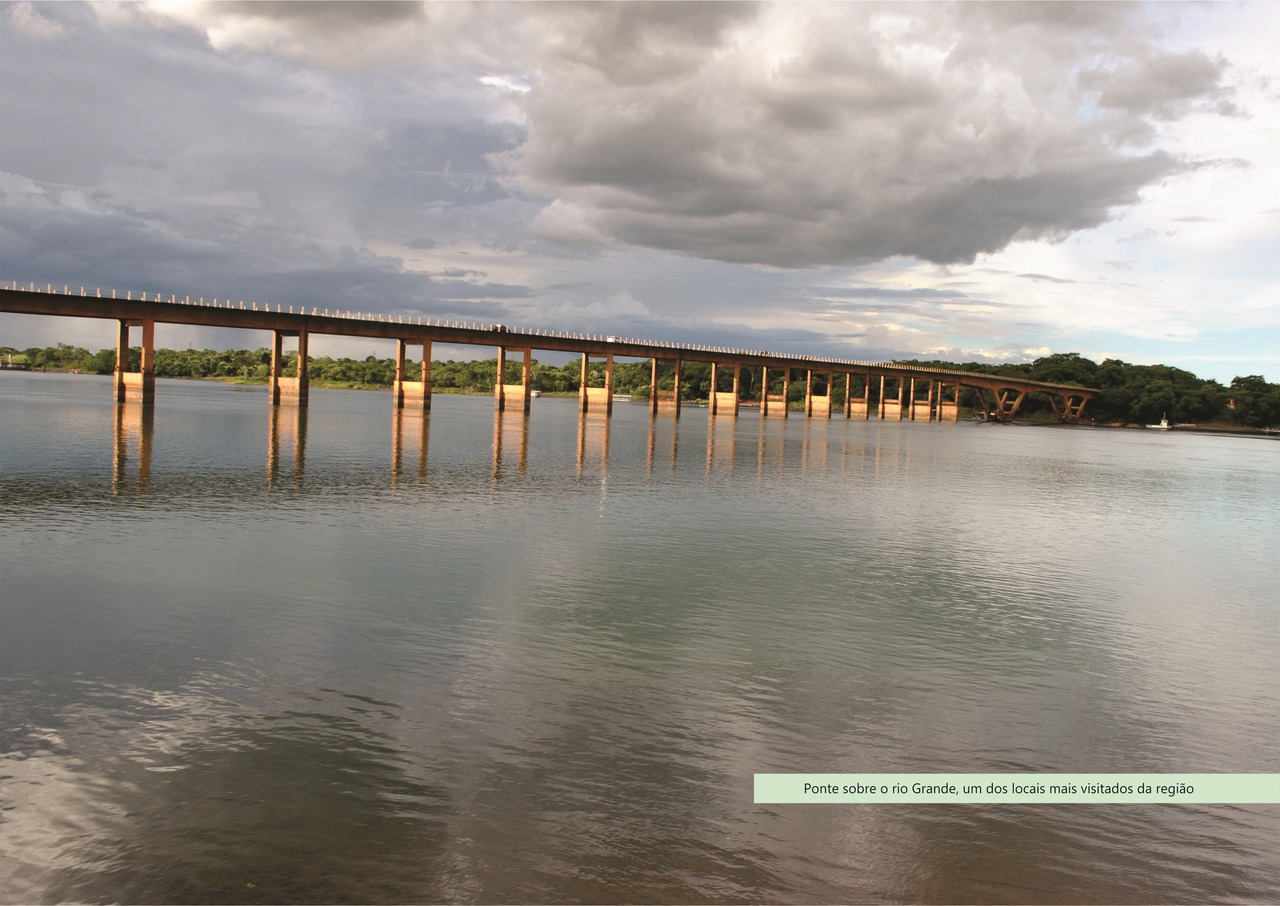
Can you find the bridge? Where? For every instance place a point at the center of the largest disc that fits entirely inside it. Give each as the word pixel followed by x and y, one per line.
pixel 905 391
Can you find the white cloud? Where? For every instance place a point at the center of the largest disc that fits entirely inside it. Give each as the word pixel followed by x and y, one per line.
pixel 1077 170
pixel 28 21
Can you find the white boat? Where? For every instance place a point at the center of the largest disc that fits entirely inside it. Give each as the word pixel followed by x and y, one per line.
pixel 535 393
pixel 1164 424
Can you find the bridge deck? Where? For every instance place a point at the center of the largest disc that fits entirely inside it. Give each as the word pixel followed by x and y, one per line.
pixel 259 316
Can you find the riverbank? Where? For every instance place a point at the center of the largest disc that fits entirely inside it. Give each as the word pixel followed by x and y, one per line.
pixel 1195 429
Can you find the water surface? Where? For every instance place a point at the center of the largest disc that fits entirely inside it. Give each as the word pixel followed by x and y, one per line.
pixel 344 654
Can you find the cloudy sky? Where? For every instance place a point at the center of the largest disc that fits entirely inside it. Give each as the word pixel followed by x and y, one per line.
pixel 871 181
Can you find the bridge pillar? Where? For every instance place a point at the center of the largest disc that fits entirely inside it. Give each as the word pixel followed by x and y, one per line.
pixel 675 391
pixel 655 399
pixel 891 410
pixel 726 403
pixel 137 385
pixel 417 393
pixel 1007 401
pixel 817 405
pixel 594 398
pixel 291 389
pixel 523 390
pixel 916 410
pixel 775 405
pixel 1070 408
pixel 948 411
pixel 1008 406
pixel 857 408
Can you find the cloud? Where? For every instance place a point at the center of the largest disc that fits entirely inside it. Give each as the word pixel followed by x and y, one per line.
pixel 842 134
pixel 776 135
pixel 822 174
pixel 610 312
pixel 1037 278
pixel 29 21
pixel 1164 86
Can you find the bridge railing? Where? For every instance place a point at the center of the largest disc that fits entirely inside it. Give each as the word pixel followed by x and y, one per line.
pixel 503 330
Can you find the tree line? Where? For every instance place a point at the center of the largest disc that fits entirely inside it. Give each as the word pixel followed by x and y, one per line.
pixel 1131 394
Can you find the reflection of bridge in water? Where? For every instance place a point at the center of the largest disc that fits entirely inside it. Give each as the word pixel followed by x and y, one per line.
pixel 724 449
pixel 909 392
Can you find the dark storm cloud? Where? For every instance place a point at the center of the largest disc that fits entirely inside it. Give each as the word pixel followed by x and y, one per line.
pixel 637 42
pixel 323 15
pixel 290 152
pixel 187 172
pixel 845 134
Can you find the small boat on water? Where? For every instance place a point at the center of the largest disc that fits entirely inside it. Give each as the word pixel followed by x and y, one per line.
pixel 1164 424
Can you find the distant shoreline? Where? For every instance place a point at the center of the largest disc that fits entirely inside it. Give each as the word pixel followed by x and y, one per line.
pixel 1197 429
pixel 1234 430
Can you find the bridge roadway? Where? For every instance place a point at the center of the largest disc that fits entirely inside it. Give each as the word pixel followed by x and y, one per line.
pixel 904 392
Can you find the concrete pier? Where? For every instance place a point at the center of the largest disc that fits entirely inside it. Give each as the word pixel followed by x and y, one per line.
pixel 288 389
pixel 724 403
pixel 600 399
pixel 773 403
pixel 417 394
pixel 665 399
pixel 818 406
pixel 137 385
pixel 948 409
pixel 860 407
pixel 891 409
pixel 523 391
pixel 921 409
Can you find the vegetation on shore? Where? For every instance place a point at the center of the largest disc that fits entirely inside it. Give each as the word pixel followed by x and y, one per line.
pixel 1130 394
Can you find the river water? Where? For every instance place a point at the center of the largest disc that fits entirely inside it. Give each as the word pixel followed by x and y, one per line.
pixel 343 655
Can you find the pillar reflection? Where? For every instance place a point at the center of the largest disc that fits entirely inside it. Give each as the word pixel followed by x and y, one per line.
pixel 287 424
pixel 720 448
pixel 510 429
pixel 409 427
pixel 659 427
pixel 771 447
pixel 134 426
pixel 593 441
pixel 814 448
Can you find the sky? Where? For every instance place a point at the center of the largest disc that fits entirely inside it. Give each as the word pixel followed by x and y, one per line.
pixel 955 181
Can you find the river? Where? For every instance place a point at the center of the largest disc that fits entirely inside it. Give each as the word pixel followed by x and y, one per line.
pixel 345 655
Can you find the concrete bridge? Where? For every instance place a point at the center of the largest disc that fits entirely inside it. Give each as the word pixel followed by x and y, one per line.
pixel 904 391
